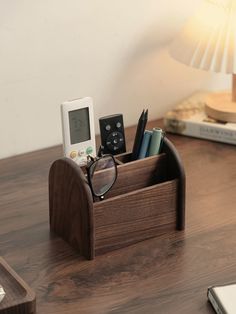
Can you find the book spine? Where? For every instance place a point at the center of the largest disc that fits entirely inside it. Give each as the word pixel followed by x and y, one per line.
pixel 209 131
pixel 145 144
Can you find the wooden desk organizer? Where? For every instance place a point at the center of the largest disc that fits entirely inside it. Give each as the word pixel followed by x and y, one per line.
pixel 148 199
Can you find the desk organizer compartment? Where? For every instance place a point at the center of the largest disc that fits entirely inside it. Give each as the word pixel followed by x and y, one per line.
pixel 147 200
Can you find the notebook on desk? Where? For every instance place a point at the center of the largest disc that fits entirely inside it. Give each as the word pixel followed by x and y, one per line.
pixel 223 298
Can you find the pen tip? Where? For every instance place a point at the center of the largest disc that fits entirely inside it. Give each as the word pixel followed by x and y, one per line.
pixel 142 114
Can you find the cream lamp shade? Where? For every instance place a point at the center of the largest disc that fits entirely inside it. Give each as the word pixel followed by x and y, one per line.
pixel 208 42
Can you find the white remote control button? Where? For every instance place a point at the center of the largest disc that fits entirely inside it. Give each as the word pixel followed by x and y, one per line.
pixel 73 154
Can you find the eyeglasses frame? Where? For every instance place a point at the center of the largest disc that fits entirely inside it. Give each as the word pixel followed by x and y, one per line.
pixel 92 160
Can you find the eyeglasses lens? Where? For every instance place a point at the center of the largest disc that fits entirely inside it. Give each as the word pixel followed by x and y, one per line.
pixel 102 181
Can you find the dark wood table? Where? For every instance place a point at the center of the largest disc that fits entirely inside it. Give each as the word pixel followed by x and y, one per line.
pixel 161 275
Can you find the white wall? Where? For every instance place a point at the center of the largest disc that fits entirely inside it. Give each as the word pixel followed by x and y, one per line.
pixel 114 51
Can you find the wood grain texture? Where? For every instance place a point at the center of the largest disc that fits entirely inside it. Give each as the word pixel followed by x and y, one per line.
pixel 175 169
pixel 220 106
pixel 138 189
pixel 134 175
pixel 135 216
pixel 19 297
pixel 71 206
pixel 165 275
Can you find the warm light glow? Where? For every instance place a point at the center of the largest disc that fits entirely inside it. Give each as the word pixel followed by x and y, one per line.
pixel 208 41
pixel 226 4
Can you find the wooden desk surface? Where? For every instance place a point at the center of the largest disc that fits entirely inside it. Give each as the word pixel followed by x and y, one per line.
pixel 162 275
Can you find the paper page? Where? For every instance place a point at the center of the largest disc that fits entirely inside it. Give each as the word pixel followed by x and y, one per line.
pixel 227 297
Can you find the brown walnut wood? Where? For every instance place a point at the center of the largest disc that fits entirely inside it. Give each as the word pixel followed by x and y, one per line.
pixel 166 274
pixel 148 187
pixel 135 216
pixel 175 169
pixel 134 175
pixel 68 189
pixel 19 296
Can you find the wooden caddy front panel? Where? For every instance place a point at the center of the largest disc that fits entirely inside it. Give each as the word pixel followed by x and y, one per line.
pixel 135 216
pixel 147 200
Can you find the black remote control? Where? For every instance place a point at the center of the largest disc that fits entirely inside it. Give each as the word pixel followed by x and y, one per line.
pixel 112 134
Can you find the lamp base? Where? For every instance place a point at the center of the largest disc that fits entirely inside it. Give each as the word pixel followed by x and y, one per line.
pixel 220 106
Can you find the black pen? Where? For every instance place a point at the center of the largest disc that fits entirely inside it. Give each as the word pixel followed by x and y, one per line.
pixel 139 134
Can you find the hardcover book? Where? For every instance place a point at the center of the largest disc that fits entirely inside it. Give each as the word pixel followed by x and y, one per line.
pixel 189 118
pixel 222 298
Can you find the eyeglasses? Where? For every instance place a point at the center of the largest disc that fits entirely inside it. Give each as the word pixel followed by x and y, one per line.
pixel 101 182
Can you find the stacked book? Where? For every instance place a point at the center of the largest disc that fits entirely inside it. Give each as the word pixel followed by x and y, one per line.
pixel 189 118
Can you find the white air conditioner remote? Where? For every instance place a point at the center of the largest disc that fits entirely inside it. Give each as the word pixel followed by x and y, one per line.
pixel 78 129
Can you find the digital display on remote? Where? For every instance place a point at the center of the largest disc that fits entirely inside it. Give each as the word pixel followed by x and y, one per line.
pixel 79 126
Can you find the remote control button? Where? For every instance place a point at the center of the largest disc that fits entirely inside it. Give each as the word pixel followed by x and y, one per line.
pixel 108 127
pixel 81 153
pixel 73 154
pixel 89 150
pixel 109 145
pixel 115 141
pixel 118 125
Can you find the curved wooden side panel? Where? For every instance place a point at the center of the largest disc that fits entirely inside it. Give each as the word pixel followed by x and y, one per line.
pixel 71 206
pixel 176 170
pixel 147 200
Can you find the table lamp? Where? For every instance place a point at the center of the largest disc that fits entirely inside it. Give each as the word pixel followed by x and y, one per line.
pixel 208 42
